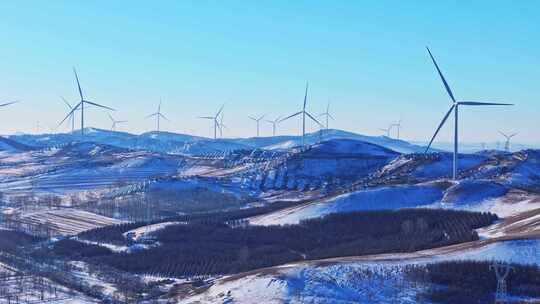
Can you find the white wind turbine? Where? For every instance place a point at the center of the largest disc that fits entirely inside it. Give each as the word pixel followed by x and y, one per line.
pixel 222 125
pixel 304 114
pixel 327 115
pixel 72 115
pixel 387 130
pixel 274 123
pixel 398 126
pixel 115 122
pixel 81 104
pixel 507 141
pixel 158 116
pixel 455 107
pixel 257 120
pixel 215 120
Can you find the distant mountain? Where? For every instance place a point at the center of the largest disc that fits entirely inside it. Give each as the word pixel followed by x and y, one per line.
pixel 173 143
pixel 9 145
pixel 472 147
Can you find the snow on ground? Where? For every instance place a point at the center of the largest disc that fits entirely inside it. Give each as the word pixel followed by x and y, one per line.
pixel 365 281
pixel 374 199
pixel 443 167
pixel 467 192
pixel 140 232
pixel 83 273
pixel 68 221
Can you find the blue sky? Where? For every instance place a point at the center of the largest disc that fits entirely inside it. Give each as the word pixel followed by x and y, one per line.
pixel 367 57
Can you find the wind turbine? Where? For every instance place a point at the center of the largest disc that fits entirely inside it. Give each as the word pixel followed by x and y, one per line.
pixel 257 120
pixel 221 125
pixel 387 130
pixel 327 115
pixel 507 142
pixel 398 126
pixel 455 107
pixel 72 115
pixel 115 122
pixel 158 115
pixel 81 105
pixel 304 114
pixel 215 120
pixel 274 123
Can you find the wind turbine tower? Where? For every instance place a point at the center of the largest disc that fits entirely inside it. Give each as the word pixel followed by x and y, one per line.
pixel 214 120
pixel 304 114
pixel 455 108
pixel 274 123
pixel 158 116
pixel 81 104
pixel 507 141
pixel 387 130
pixel 221 125
pixel 257 120
pixel 327 116
pixel 398 126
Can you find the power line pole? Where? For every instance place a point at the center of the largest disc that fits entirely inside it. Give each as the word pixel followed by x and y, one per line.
pixel 502 270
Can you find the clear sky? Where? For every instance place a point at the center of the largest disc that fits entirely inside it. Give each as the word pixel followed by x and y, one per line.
pixel 367 57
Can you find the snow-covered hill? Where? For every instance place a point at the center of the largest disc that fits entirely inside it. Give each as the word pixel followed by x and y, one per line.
pixel 166 142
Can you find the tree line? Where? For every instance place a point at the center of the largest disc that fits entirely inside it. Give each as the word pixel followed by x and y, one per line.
pixel 462 282
pixel 200 248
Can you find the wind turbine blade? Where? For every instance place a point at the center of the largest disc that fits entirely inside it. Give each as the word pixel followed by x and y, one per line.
pixel 121 121
pixel 441 75
pixel 70 113
pixel 475 103
pixel 220 109
pixel 261 117
pixel 315 120
pixel 98 105
pixel 440 126
pixel 513 135
pixel 330 115
pixel 203 117
pixel 298 113
pixel 78 83
pixel 112 119
pixel 8 103
pixel 151 115
pixel 66 102
pixel 305 96
pixel 252 118
pixel 163 116
pixel 503 134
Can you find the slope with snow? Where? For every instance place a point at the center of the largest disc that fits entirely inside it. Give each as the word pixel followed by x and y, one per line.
pixel 166 142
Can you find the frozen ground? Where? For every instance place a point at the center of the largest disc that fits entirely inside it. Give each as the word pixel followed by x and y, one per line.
pixel 67 221
pixel 377 281
pixel 394 197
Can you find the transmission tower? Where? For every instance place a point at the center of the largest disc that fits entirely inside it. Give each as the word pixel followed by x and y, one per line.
pixel 502 270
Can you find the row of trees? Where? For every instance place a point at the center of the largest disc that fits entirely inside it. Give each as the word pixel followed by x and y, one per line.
pixel 461 282
pixel 157 204
pixel 114 234
pixel 206 248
